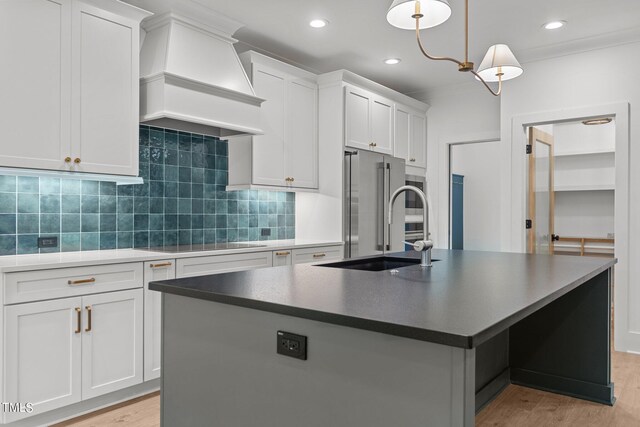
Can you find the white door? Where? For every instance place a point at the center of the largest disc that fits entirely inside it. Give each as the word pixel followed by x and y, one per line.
pixel 268 159
pixel 156 270
pixel 43 354
pixel 105 92
pixel 382 125
pixel 35 46
pixel 112 342
pixel 401 143
pixel 418 141
pixel 357 118
pixel 301 139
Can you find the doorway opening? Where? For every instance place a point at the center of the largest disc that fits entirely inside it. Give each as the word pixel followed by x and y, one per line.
pixel 571 188
pixel 474 195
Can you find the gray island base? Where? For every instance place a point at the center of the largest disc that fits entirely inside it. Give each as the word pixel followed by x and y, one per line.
pixel 414 348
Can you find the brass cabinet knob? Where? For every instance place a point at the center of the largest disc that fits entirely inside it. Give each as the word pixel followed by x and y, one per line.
pixel 412 159
pixel 76 160
pixel 292 179
pixel 67 159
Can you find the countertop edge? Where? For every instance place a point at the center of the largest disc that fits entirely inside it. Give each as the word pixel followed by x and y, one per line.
pixel 386 328
pixel 123 256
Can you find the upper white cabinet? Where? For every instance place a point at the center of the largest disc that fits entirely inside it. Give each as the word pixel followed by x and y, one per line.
pixel 411 136
pixel 368 121
pixel 286 155
pixel 73 85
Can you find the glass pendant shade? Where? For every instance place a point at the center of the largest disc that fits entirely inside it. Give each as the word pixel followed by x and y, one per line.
pixel 435 13
pixel 499 59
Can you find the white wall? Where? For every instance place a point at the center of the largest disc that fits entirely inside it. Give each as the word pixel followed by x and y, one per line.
pixel 480 165
pixel 457 114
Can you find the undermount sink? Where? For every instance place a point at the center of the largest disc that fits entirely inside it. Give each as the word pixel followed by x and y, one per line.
pixel 374 264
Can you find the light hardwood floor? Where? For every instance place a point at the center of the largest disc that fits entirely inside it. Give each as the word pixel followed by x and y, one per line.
pixel 516 406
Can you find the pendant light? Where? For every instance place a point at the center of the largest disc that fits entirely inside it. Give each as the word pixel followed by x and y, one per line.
pixel 498 65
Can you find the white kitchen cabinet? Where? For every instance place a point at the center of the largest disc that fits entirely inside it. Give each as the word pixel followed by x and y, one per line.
pixel 42 355
pixel 281 258
pixel 317 255
pixel 286 155
pixel 155 270
pixel 368 121
pixel 112 342
pixel 73 83
pixel 200 266
pixel 410 136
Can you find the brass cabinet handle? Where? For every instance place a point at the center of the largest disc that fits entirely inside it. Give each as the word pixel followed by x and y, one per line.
pixel 88 329
pixel 163 264
pixel 79 320
pixel 67 159
pixel 82 281
pixel 283 253
pixel 76 160
pixel 319 255
pixel 371 144
pixel 412 159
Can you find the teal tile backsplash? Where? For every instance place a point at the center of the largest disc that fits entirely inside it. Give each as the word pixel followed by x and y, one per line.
pixel 182 201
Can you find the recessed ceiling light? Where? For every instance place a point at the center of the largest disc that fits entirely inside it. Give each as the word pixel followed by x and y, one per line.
pixel 601 121
pixel 554 25
pixel 392 61
pixel 318 23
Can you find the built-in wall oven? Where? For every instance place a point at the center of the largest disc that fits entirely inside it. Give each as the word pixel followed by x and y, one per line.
pixel 413 209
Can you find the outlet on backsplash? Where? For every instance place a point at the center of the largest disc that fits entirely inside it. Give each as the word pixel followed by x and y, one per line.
pixel 183 200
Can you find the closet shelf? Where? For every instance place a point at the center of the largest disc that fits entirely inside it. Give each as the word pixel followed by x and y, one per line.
pixel 584 153
pixel 587 187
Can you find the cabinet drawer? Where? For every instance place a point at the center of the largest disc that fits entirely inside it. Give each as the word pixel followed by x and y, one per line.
pixel 65 282
pixel 282 257
pixel 201 266
pixel 319 254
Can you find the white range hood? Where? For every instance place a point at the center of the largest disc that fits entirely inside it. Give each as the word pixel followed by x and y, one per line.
pixel 192 79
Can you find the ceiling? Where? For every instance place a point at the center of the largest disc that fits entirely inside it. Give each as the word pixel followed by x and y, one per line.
pixel 358 37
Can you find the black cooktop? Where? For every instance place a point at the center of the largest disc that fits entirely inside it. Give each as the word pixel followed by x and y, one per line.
pixel 203 247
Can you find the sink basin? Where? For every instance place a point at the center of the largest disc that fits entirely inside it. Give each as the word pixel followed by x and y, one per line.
pixel 374 264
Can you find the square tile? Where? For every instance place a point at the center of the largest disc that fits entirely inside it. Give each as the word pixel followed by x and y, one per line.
pixel 156 137
pixel 156 222
pixel 184 237
pixel 90 223
pixel 108 204
pixel 184 206
pixel 27 184
pixel 68 203
pixel 170 222
pixel 184 158
pixel 125 222
pixel 170 157
pixel 108 222
pixel 89 204
pixel 27 244
pixel 28 223
pixel 141 239
pixel 71 223
pixel 141 222
pixel 184 141
pixel 108 241
pixel 210 235
pixel 8 245
pixel 221 148
pixel 50 203
pixel 170 205
pixel 89 241
pixel 184 189
pixel 125 240
pixel 171 173
pixel 49 185
pixel 170 238
pixel 7 223
pixel 197 206
pixel 125 205
pixel 156 189
pixel 125 190
pixel 8 183
pixel 70 242
pixel 108 189
pixel 184 222
pixel 8 203
pixel 70 186
pixel 156 238
pixel 197 237
pixel 197 221
pixel 171 139
pixel 209 221
pixel 90 188
pixel 156 205
pixel 170 189
pixel 49 223
pixel 141 205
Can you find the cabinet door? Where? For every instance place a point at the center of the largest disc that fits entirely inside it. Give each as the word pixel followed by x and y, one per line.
pixel 357 118
pixel 418 141
pixel 281 258
pixel 35 43
pixel 43 354
pixel 268 159
pixel 382 125
pixel 112 342
pixel 301 139
pixel 105 91
pixel 401 140
pixel 156 270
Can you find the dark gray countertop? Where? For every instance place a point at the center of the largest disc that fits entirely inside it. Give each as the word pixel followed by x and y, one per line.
pixel 463 300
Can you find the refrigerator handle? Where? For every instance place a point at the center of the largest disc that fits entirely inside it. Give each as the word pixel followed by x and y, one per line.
pixel 387 200
pixel 381 237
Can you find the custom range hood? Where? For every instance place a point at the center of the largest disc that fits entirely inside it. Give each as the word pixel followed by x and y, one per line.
pixel 192 79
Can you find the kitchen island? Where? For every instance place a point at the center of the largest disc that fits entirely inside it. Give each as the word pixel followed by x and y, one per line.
pixel 405 346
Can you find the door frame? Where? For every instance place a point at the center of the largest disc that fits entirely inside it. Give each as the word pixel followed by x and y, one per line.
pixel 444 187
pixel 534 135
pixel 624 338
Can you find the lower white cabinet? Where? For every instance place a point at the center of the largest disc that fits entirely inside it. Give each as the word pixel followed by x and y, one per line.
pixel 43 352
pixel 156 270
pixel 62 351
pixel 317 255
pixel 200 266
pixel 112 342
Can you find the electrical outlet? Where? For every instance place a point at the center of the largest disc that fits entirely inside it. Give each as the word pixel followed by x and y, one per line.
pixel 47 242
pixel 265 232
pixel 292 345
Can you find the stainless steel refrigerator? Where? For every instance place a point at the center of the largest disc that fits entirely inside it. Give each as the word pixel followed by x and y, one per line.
pixel 370 179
